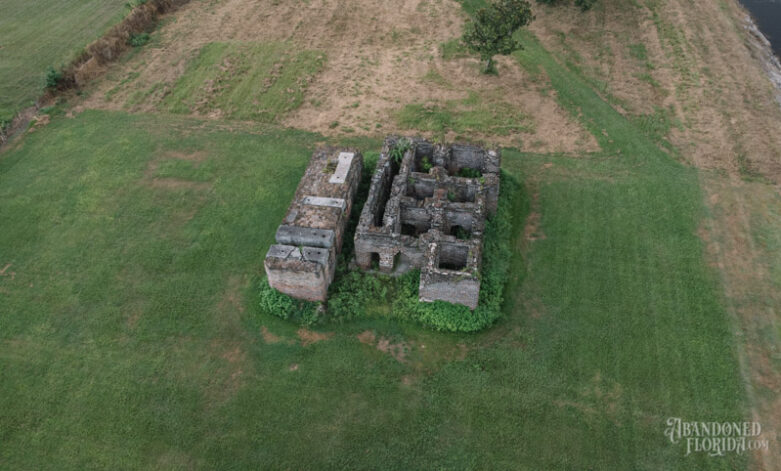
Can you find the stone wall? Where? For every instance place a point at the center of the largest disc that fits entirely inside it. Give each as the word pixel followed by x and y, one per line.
pixel 423 212
pixel 302 262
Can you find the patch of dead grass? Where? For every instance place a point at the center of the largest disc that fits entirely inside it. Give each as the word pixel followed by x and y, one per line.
pixel 308 337
pixel 752 298
pixel 380 56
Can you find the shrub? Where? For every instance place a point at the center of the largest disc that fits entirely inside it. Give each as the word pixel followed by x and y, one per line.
pixel 585 4
pixel 138 39
pixel 281 305
pixel 401 148
pixel 425 164
pixel 52 78
pixel 469 173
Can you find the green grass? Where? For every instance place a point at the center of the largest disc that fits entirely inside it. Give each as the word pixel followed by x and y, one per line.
pixel 453 49
pixel 131 335
pixel 473 114
pixel 251 81
pixel 638 51
pixel 35 35
pixel 132 338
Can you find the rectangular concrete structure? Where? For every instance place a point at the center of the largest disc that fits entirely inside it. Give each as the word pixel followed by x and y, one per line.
pixel 427 209
pixel 302 262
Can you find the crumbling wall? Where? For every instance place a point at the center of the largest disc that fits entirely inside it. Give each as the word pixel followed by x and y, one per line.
pixel 302 262
pixel 421 212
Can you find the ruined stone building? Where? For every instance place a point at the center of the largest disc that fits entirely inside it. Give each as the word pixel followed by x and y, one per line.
pixel 302 262
pixel 427 209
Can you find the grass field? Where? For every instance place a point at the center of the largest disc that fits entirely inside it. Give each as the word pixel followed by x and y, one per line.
pixel 131 337
pixel 257 81
pixel 472 115
pixel 35 35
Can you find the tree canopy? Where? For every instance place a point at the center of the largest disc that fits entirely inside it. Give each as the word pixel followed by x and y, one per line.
pixel 492 29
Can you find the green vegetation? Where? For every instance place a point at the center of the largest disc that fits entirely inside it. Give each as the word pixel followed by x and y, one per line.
pixel 147 346
pixel 492 29
pixel 138 39
pixel 254 81
pixel 584 5
pixel 401 148
pixel 453 49
pixel 470 173
pixel 35 35
pixel 473 114
pixel 638 51
pixel 52 77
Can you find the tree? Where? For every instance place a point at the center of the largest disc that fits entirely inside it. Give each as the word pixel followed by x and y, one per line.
pixel 492 29
pixel 584 5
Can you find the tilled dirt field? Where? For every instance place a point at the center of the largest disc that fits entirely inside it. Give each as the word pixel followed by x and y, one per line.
pixel 380 57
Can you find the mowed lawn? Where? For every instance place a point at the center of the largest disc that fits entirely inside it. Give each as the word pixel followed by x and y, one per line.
pixel 131 251
pixel 37 34
pixel 131 246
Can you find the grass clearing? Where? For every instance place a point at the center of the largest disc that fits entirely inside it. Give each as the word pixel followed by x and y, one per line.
pixel 453 49
pixel 611 328
pixel 474 114
pixel 35 35
pixel 249 81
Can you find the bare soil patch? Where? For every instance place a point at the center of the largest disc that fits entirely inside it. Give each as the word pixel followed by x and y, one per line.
pixel 269 337
pixel 308 337
pixel 532 230
pixel 38 122
pixel 367 337
pixel 380 57
pixel 171 183
pixel 397 350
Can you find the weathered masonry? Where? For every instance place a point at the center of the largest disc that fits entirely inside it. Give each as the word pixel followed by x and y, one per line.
pixel 301 263
pixel 427 209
